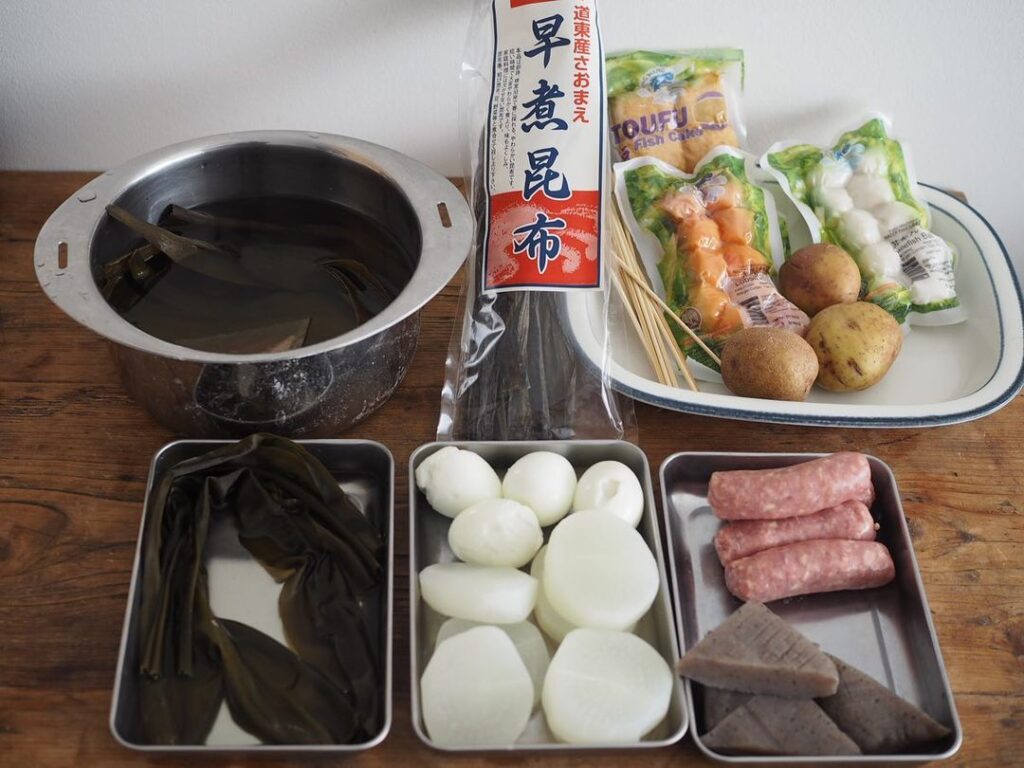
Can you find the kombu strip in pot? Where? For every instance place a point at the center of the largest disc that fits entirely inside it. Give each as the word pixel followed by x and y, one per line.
pixel 305 531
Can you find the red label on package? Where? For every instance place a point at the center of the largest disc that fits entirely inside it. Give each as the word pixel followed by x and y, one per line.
pixel 545 154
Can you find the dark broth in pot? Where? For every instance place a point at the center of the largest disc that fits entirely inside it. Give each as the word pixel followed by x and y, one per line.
pixel 255 275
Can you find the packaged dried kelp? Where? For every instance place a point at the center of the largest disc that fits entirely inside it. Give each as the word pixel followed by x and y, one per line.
pixel 534 117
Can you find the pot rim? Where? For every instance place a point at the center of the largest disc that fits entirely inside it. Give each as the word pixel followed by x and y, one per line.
pixel 74 224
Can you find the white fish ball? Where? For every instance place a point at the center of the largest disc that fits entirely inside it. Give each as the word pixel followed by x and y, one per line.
pixel 613 487
pixel 894 214
pixel 543 481
pixel 527 639
pixel 830 172
pixel 453 479
pixel 551 621
pixel 859 228
pixel 872 161
pixel 599 572
pixel 930 289
pixel 880 259
pixel 489 595
pixel 834 200
pixel 496 532
pixel 476 690
pixel 605 687
pixel 868 191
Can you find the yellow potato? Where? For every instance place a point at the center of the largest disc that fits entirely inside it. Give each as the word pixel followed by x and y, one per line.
pixel 819 276
pixel 856 345
pixel 772 363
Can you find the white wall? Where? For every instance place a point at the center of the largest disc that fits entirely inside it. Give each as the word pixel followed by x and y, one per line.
pixel 91 83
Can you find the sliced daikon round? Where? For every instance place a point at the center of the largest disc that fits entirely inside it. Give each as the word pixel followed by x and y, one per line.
pixel 543 481
pixel 528 640
pixel 605 687
pixel 598 571
pixel 476 691
pixel 554 624
pixel 496 532
pixel 490 595
pixel 613 487
pixel 453 479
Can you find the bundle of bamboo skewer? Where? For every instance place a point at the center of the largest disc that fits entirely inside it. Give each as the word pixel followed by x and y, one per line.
pixel 647 312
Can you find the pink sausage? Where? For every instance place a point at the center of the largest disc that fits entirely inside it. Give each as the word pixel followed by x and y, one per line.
pixel 807 567
pixel 800 489
pixel 849 520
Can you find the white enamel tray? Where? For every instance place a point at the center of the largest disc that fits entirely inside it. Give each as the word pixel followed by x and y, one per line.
pixel 944 375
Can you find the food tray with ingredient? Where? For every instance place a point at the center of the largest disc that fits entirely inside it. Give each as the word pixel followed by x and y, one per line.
pixel 262 615
pixel 885 632
pixel 944 375
pixel 614 482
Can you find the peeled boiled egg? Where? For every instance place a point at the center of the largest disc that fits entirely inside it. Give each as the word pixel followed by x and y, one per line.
pixel 598 571
pixel 453 479
pixel 605 687
pixel 476 690
pixel 487 594
pixel 859 229
pixel 613 487
pixel 869 191
pixel 543 481
pixel 496 532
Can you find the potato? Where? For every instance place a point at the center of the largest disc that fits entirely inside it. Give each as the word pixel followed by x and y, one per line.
pixel 819 276
pixel 855 344
pixel 768 362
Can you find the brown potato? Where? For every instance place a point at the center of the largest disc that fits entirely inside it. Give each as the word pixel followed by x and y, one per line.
pixel 856 345
pixel 819 276
pixel 772 363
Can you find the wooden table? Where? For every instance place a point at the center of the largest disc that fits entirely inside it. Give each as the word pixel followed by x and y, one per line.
pixel 74 453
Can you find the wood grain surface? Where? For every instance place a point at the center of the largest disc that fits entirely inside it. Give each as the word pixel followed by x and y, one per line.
pixel 74 452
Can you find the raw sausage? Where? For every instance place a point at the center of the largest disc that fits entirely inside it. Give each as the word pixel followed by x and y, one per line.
pixel 849 520
pixel 807 567
pixel 801 489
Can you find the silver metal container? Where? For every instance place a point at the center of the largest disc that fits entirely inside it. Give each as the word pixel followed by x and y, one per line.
pixel 428 544
pixel 885 632
pixel 314 390
pixel 366 471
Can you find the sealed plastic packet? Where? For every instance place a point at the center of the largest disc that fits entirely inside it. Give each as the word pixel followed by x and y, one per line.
pixel 861 194
pixel 675 106
pixel 709 241
pixel 534 121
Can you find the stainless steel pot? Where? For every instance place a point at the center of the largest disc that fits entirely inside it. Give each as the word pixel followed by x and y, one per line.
pixel 315 390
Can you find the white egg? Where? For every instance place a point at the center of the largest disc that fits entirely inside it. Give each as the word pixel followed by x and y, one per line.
pixel 605 687
pixel 872 161
pixel 613 487
pixel 834 200
pixel 551 621
pixel 527 639
pixel 599 572
pixel 880 259
pixel 868 191
pixel 859 229
pixel 453 479
pixel 894 214
pixel 829 173
pixel 476 690
pixel 543 481
pixel 496 532
pixel 489 595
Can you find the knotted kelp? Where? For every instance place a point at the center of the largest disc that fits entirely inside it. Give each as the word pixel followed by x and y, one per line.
pixel 296 521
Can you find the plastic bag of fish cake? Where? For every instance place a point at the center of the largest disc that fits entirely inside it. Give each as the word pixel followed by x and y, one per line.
pixel 861 194
pixel 675 106
pixel 709 242
pixel 535 128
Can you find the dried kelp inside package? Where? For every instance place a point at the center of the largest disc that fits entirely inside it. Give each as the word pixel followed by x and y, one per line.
pixel 534 118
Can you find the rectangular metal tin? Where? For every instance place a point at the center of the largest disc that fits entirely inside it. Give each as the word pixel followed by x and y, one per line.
pixel 885 632
pixel 428 544
pixel 366 471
